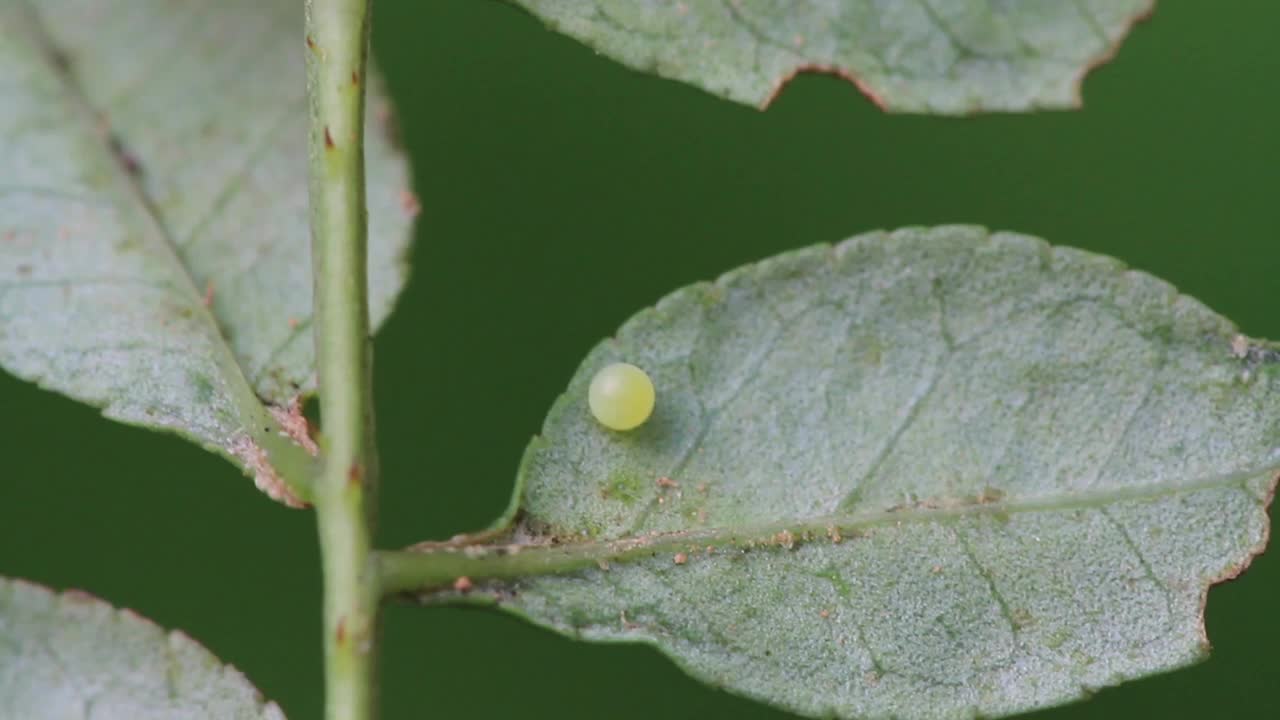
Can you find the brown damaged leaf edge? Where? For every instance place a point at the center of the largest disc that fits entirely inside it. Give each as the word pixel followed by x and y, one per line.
pixel 817 68
pixel 1109 54
pixel 1236 570
pixel 820 67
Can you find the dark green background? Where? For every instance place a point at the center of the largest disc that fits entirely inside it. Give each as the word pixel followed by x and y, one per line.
pixel 561 193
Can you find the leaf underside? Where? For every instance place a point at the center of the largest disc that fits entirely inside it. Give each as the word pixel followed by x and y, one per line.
pixel 154 242
pixel 945 57
pixel 71 655
pixel 936 473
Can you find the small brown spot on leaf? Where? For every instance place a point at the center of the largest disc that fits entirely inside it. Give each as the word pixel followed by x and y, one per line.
pixel 462 584
pixel 833 532
pixel 127 159
pixel 990 495
pixel 409 203
pixel 1240 346
pixel 824 614
pixel 355 474
pixel 208 294
pixel 328 138
pixel 341 633
pixel 311 43
pixel 61 61
pixel 78 596
pixel 355 78
pixel 666 482
pixel 386 118
pixel 681 558
pixel 294 425
pixel 265 476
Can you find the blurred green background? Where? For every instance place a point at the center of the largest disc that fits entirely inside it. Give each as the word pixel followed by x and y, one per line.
pixel 561 193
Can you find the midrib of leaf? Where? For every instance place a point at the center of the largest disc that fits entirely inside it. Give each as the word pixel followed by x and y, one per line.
pixel 434 566
pixel 289 461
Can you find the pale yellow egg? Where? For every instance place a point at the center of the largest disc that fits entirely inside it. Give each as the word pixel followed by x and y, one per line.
pixel 621 396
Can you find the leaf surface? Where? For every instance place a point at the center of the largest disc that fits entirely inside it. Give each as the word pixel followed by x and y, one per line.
pixel 923 56
pixel 154 241
pixel 936 473
pixel 71 655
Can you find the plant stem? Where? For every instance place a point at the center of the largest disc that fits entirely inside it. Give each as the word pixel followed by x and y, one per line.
pixel 346 494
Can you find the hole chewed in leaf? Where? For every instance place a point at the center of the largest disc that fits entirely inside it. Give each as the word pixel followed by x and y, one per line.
pixel 822 69
pixel 944 58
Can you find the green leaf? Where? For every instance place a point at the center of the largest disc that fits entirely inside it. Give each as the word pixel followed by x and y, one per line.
pixel 926 56
pixel 72 656
pixel 929 474
pixel 154 242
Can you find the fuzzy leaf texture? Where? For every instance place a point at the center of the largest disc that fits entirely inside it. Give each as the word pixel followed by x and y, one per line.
pixel 946 57
pixel 71 655
pixel 154 241
pixel 936 473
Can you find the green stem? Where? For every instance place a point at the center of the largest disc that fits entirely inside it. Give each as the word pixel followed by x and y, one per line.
pixel 345 496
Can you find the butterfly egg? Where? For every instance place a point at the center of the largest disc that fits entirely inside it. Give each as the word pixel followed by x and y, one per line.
pixel 621 396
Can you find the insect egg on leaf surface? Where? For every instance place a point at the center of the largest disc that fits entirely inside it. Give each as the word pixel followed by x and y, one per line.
pixel 621 396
